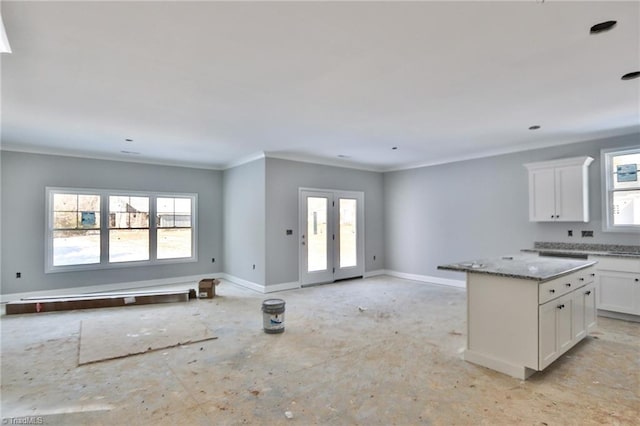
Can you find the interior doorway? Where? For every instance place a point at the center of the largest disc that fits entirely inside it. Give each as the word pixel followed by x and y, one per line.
pixel 331 235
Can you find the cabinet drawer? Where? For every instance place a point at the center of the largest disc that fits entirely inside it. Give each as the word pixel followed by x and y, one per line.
pixel 586 276
pixel 558 287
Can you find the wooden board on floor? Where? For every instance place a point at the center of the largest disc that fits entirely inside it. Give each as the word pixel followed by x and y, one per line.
pixel 130 333
pixel 67 303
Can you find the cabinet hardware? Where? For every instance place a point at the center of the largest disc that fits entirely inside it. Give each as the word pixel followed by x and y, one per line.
pixel 568 284
pixel 561 306
pixel 580 279
pixel 593 274
pixel 552 291
pixel 588 292
pixel 636 280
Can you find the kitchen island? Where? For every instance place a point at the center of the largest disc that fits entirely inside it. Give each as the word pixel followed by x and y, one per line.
pixel 524 312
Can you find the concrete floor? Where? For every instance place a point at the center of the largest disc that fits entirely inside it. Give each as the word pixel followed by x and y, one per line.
pixel 397 362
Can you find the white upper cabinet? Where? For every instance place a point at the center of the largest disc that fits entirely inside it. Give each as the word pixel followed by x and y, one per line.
pixel 559 190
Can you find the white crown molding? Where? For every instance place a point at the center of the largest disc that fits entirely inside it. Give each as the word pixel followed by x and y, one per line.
pixel 302 158
pixel 511 150
pixel 244 160
pixel 7 147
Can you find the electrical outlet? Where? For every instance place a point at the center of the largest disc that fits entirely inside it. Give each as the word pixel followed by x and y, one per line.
pixel 570 233
pixel 374 257
pixel 18 274
pixel 213 260
pixel 587 234
pixel 254 266
pixel 289 231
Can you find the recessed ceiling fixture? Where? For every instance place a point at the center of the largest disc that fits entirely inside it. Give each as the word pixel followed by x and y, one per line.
pixel 343 156
pixel 534 127
pixel 130 152
pixel 128 140
pixel 602 27
pixel 631 75
pixel 394 148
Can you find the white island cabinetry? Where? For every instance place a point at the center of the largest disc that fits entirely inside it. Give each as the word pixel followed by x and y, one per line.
pixel 519 323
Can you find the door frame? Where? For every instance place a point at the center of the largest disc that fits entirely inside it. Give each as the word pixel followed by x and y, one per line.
pixel 333 253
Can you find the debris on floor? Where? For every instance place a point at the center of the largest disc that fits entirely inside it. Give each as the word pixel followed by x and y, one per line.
pixel 94 300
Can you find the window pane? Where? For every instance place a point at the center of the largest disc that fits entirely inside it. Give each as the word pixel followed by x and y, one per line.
pixel 139 220
pixel 138 204
pixel 118 220
pixel 65 220
pixel 118 204
pixel 76 247
pixel 89 220
pixel 348 246
pixel 128 245
pixel 625 171
pixel 89 203
pixel 165 205
pixel 183 206
pixel 626 208
pixel 65 202
pixel 174 243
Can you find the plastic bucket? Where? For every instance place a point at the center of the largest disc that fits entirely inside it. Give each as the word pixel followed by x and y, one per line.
pixel 273 316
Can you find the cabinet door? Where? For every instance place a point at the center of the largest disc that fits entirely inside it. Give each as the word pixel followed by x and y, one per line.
pixel 542 195
pixel 590 311
pixel 619 292
pixel 570 196
pixel 578 325
pixel 547 346
pixel 564 318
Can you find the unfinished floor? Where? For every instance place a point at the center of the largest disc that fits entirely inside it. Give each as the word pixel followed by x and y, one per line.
pixel 375 351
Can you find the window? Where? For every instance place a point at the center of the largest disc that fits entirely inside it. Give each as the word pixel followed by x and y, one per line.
pixel 95 229
pixel 621 203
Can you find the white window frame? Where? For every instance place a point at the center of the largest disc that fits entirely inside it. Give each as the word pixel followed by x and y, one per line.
pixel 607 189
pixel 104 229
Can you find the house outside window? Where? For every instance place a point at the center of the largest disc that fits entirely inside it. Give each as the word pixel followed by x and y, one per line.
pixel 621 190
pixel 98 229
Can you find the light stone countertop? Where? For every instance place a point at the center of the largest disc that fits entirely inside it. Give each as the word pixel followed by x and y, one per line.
pixel 574 252
pixel 524 267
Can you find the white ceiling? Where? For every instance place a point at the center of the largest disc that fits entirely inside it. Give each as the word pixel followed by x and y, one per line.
pixel 209 84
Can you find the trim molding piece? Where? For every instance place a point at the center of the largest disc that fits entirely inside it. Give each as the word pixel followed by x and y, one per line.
pixel 129 285
pixel 428 279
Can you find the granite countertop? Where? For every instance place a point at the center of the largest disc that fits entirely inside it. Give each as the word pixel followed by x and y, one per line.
pixel 523 267
pixel 577 249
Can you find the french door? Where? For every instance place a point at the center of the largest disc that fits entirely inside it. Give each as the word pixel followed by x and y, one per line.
pixel 331 235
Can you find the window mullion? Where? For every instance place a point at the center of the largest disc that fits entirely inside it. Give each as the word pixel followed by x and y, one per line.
pixel 153 229
pixel 104 228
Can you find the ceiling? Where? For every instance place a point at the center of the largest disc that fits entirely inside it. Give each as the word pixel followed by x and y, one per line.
pixel 212 84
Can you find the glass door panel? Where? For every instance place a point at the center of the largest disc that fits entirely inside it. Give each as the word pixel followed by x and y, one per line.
pixel 348 233
pixel 317 234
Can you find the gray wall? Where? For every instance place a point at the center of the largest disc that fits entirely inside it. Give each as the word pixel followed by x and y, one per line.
pixel 284 177
pixel 24 178
pixel 477 208
pixel 244 221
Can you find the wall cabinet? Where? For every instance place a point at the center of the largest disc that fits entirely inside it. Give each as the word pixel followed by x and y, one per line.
pixel 618 281
pixel 559 190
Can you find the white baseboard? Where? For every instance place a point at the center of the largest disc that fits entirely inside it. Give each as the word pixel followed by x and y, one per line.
pixel 243 283
pixel 427 279
pixel 129 285
pixel 193 280
pixel 375 273
pixel 259 287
